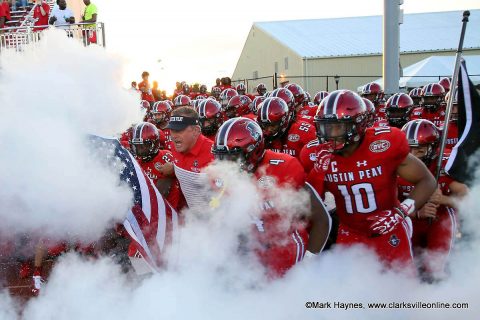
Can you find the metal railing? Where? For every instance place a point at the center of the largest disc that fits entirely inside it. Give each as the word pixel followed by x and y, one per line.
pixel 18 38
pixel 328 82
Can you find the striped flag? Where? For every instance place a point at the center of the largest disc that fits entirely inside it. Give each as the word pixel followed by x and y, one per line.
pixel 460 165
pixel 151 223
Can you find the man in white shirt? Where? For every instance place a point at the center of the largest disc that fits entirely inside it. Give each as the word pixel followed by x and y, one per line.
pixel 61 15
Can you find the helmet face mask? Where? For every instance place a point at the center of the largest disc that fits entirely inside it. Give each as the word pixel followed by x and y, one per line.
pixel 271 129
pixel 160 118
pixel 397 117
pixel 337 133
pixel 430 102
pixel 143 150
pixel 209 125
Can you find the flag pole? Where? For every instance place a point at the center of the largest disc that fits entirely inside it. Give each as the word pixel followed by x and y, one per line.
pixel 448 111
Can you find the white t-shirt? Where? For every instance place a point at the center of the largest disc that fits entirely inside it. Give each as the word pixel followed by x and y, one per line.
pixel 61 16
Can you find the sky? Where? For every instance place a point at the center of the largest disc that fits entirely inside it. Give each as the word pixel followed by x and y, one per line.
pixel 198 41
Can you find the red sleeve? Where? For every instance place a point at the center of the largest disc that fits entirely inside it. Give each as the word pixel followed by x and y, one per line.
pixel 316 180
pixel 305 158
pixel 294 173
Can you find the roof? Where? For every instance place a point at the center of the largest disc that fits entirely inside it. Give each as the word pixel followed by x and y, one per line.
pixel 357 36
pixel 432 68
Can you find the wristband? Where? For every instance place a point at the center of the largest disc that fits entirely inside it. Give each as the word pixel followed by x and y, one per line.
pixel 408 205
pixel 309 255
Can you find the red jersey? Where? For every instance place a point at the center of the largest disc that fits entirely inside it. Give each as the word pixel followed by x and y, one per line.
pixel 144 87
pixel 309 109
pixel 188 168
pixel 299 134
pixel 380 111
pixel 167 138
pixel 152 170
pixel 452 135
pixel 42 20
pixel 283 239
pixel 364 183
pixel 437 117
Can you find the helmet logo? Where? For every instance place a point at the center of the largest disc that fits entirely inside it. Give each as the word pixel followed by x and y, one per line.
pixel 251 128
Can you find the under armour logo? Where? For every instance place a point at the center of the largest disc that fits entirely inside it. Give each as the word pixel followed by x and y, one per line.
pixel 362 163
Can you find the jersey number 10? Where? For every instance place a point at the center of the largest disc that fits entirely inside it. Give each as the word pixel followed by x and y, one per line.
pixel 363 196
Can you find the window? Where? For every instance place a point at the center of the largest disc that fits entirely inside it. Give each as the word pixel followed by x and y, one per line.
pixel 286 63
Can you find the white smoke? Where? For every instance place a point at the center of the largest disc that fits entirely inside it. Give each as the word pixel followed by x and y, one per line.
pixel 50 98
pixel 212 281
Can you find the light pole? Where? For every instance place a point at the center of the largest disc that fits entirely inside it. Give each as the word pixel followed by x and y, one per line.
pixel 337 79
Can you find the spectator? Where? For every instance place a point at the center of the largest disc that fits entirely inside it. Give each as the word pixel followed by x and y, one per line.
pixel 4 13
pixel 40 14
pixel 134 85
pixel 18 3
pixel 192 153
pixel 61 15
pixel 157 94
pixel 89 16
pixel 90 13
pixel 144 87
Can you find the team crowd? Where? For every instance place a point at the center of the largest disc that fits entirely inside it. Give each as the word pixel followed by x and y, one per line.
pixel 376 157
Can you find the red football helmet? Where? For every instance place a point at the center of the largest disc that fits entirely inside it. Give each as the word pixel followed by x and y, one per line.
pixel 372 91
pixel 226 95
pixel 341 119
pixel 210 116
pixel 416 95
pixel 454 111
pixel 432 96
pixel 145 105
pixel 181 101
pixel 273 116
pixel 287 96
pixel 298 93
pixel 319 96
pixel 398 109
pixel 256 103
pixel 241 88
pixel 240 139
pixel 238 106
pixel 261 89
pixel 371 112
pixel 145 141
pixel 422 133
pixel 445 83
pixel 216 91
pixel 161 112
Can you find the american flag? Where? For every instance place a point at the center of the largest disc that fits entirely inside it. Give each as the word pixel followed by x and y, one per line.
pixel 151 223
